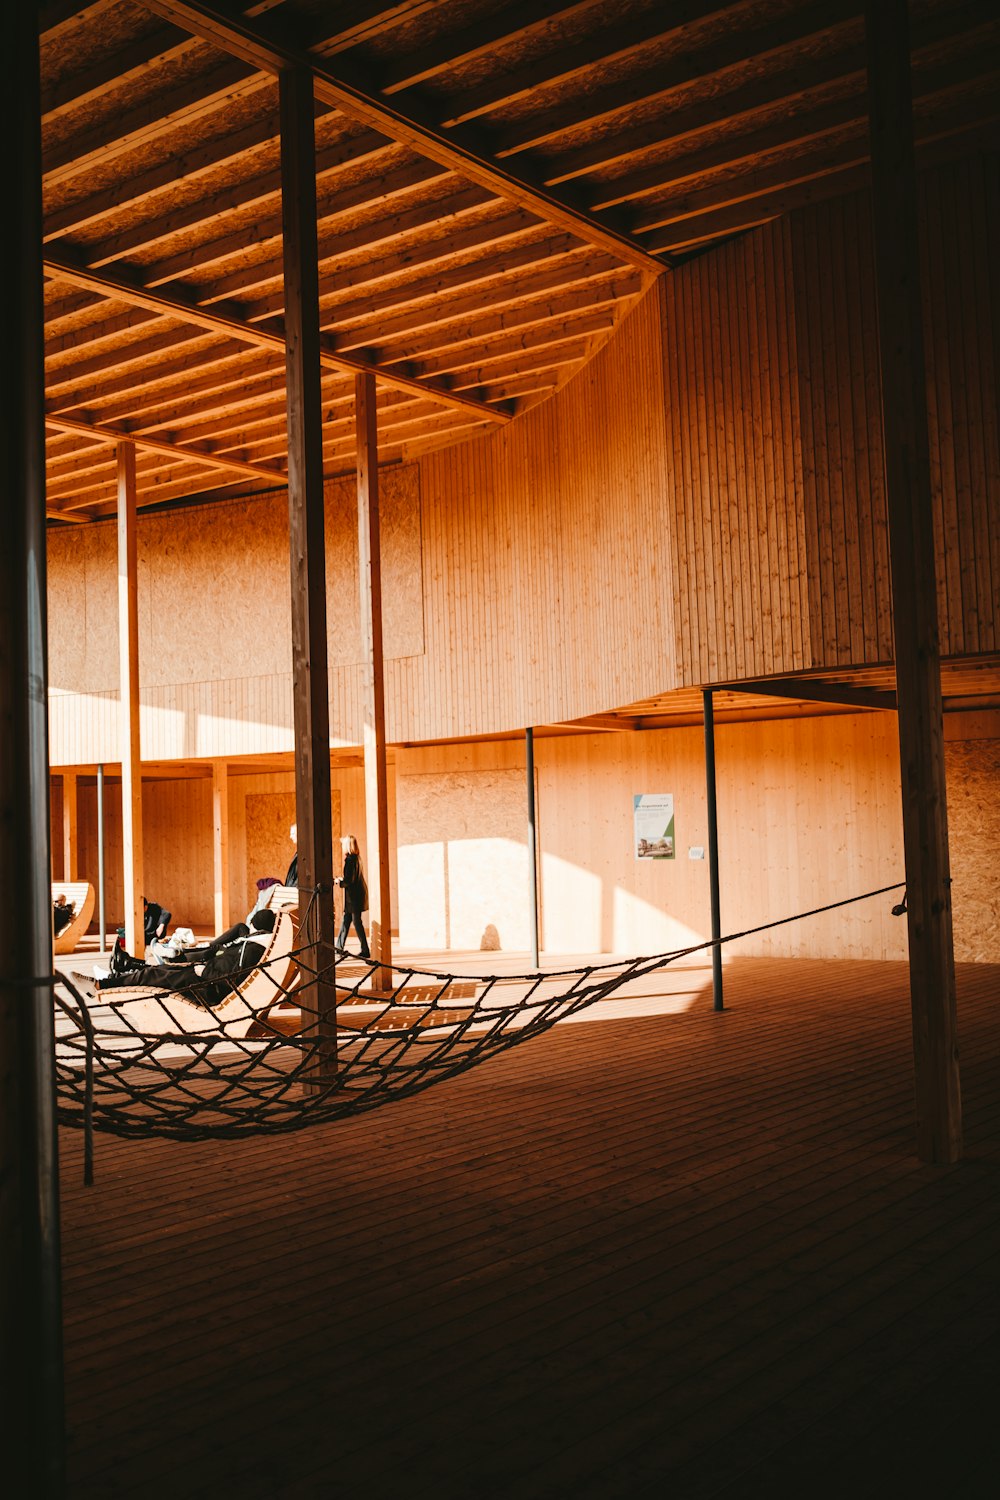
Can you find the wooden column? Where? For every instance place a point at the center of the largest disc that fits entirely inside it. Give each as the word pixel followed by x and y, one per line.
pixel 373 688
pixel 31 1385
pixel 914 591
pixel 310 686
pixel 128 672
pixel 220 843
pixel 69 828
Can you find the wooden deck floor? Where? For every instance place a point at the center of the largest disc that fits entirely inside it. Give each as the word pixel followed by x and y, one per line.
pixel 687 1255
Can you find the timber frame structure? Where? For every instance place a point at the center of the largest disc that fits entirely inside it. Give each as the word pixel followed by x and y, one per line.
pixel 284 242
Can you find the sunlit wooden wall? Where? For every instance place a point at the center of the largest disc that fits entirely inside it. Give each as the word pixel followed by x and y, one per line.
pixel 702 503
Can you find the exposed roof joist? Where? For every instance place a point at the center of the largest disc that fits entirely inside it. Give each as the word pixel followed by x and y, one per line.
pixel 466 151
pixel 179 302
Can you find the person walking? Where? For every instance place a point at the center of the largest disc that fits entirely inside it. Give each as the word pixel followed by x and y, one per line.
pixel 355 896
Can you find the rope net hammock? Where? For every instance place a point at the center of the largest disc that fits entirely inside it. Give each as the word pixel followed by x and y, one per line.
pixel 164 1062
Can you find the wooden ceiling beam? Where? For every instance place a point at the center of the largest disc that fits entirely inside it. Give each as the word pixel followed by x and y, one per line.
pixel 129 63
pixel 164 389
pixel 494 270
pixel 67 381
pixel 430 302
pixel 368 19
pixel 816 690
pixel 841 64
pixel 197 259
pixel 484 35
pixel 57 16
pixel 181 452
pixel 240 195
pixel 457 328
pixel 445 244
pixel 488 347
pixel 815 24
pixel 468 152
pixel 784 131
pixel 156 116
pixel 180 303
pixel 569 60
pixel 187 167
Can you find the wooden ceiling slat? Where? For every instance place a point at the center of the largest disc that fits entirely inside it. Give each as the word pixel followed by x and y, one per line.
pixel 466 152
pixel 553 254
pixel 153 118
pixel 521 312
pixel 815 23
pixel 158 445
pixel 196 259
pixel 485 34
pixel 244 194
pixel 558 65
pixel 447 244
pixel 129 63
pixel 179 303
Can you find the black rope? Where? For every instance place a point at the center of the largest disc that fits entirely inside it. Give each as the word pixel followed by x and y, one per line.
pixel 162 1062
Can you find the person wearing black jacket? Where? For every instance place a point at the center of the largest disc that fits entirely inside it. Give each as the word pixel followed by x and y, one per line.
pixel 210 983
pixel 355 896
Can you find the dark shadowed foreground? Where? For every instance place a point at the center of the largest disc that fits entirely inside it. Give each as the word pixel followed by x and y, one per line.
pixel 688 1254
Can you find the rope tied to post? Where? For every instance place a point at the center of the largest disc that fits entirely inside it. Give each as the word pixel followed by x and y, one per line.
pixel 269 1058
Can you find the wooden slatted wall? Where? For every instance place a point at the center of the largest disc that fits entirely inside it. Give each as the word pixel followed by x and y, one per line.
pixel 735 489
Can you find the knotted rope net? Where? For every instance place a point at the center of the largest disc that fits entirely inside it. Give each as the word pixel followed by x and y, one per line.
pixel 296 1041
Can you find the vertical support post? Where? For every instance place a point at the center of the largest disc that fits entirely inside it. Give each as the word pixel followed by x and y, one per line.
pixel 713 848
pixel 69 828
pixel 220 842
pixel 307 551
pixel 529 759
pixel 102 915
pixel 128 730
pixel 31 1377
pixel 914 587
pixel 373 688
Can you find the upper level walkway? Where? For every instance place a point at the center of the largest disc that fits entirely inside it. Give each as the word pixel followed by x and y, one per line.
pixel 683 1253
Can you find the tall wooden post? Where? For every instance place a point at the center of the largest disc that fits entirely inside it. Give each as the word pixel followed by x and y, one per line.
pixel 31 1386
pixel 220 843
pixel 307 550
pixel 914 591
pixel 69 828
pixel 373 689
pixel 128 724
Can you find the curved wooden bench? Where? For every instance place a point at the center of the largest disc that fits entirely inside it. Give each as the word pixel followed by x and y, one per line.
pixel 80 895
pixel 153 1012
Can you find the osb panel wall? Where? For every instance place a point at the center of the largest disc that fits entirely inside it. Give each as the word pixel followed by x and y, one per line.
pixel 974 838
pixel 214 623
pixel 462 851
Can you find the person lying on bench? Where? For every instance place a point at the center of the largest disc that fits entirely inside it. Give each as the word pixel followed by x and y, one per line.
pixel 210 983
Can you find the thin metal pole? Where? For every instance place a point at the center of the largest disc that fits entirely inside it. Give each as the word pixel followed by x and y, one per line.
pixel 529 748
pixel 713 849
pixel 31 1373
pixel 101 916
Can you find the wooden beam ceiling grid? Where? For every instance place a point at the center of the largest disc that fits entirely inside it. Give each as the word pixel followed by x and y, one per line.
pixel 497 182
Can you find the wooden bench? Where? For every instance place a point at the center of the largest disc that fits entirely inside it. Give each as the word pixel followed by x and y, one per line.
pixel 153 1012
pixel 79 895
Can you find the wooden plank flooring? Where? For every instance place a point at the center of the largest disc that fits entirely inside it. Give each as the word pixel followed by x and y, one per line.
pixel 684 1254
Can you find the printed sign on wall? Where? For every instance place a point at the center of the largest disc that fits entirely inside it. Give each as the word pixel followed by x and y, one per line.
pixel 653 817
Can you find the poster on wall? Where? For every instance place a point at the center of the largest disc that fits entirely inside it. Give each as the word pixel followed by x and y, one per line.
pixel 653 817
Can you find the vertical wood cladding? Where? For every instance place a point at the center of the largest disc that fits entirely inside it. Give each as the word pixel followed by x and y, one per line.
pixel 850 601
pixel 733 433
